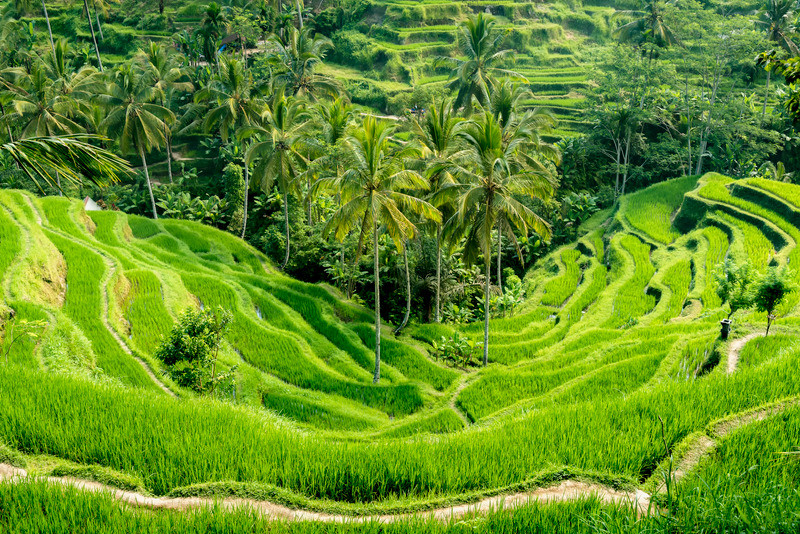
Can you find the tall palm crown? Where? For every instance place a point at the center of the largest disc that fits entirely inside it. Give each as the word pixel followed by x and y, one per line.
pixel 233 99
pixel 777 20
pixel 296 58
pixel 648 26
pixel 164 70
pixel 480 46
pixel 276 154
pixel 494 169
pixel 211 29
pixel 134 118
pixel 374 193
pixel 46 107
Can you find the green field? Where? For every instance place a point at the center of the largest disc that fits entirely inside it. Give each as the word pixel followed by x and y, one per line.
pixel 619 333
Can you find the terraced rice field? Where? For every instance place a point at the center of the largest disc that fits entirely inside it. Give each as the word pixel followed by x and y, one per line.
pixel 619 333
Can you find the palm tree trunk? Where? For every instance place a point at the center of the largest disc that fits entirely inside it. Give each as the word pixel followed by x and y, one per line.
pixel 286 223
pixel 438 272
pixel 766 96
pixel 149 185
pixel 58 183
pixel 499 258
pixel 408 292
pixel 377 375
pixel 97 18
pixel 357 257
pixel 94 40
pixel 49 29
pixel 308 198
pixel 168 139
pixel 486 283
pixel 246 194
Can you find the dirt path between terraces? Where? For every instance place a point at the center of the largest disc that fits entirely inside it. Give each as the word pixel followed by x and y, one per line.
pixel 736 347
pixel 567 490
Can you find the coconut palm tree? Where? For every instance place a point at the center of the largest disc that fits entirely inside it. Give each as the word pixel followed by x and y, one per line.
pixel 776 19
pixel 211 30
pixel 504 104
pixel 437 132
pixel 648 25
pixel 167 76
pixel 471 75
pixel 373 193
pixel 492 173
pixel 134 117
pixel 234 105
pixel 276 154
pixel 296 57
pixel 333 118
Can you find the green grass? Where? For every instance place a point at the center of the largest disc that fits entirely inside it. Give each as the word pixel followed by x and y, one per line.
pixel 650 210
pixel 85 270
pixel 559 289
pixel 632 302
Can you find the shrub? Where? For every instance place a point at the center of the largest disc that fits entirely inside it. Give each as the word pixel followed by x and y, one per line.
pixel 192 347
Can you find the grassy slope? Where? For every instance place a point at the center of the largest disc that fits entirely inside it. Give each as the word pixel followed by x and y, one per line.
pixel 595 352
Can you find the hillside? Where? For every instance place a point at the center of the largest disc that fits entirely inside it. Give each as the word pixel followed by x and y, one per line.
pixel 620 331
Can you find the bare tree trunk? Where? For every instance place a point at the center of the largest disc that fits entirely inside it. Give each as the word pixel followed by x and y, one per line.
pixel 149 185
pixel 618 148
pixel 286 223
pixel 499 257
pixel 486 283
pixel 94 39
pixel 626 160
pixel 169 152
pixel 438 272
pixel 707 129
pixel 308 198
pixel 688 125
pixel 97 18
pixel 766 96
pixel 246 194
pixel 377 375
pixel 49 29
pixel 357 257
pixel 408 291
pixel 770 318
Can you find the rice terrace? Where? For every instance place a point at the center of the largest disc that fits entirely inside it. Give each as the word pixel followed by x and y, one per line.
pixel 400 266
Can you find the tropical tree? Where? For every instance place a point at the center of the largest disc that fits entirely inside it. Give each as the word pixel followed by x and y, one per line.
pixel 437 132
pixel 296 58
pixel 770 290
pixel 235 104
pixel 776 19
pixel 733 285
pixel 166 76
pixel 648 26
pixel 211 30
pixel 134 117
pixel 374 194
pixel 471 75
pixel 492 173
pixel 276 154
